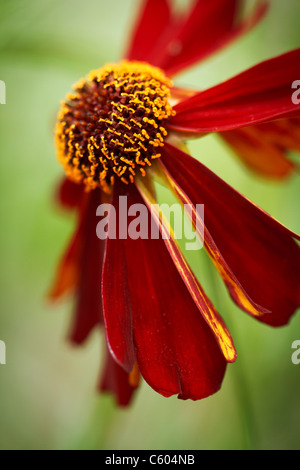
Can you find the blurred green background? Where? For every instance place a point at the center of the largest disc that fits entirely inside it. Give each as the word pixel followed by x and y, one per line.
pixel 47 388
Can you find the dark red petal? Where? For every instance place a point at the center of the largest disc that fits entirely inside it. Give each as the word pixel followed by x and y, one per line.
pixel 259 251
pixel 176 351
pixel 201 300
pixel 68 272
pixel 70 194
pixel 235 288
pixel 115 380
pixel 80 270
pixel 154 18
pixel 88 312
pixel 208 27
pixel 262 93
pixel 67 275
pixel 116 297
pixel 264 147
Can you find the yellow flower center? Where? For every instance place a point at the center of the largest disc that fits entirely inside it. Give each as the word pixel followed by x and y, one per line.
pixel 112 125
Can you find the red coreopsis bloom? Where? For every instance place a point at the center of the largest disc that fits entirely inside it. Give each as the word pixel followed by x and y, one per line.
pixel 125 123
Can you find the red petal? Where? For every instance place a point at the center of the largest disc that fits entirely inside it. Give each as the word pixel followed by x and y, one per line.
pixel 176 350
pixel 88 303
pixel 70 194
pixel 116 297
pixel 235 288
pixel 260 94
pixel 259 251
pixel 81 268
pixel 154 18
pixel 68 271
pixel 263 148
pixel 67 275
pixel 117 381
pixel 203 303
pixel 208 27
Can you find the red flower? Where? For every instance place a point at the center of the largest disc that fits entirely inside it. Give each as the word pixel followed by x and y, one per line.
pixel 114 133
